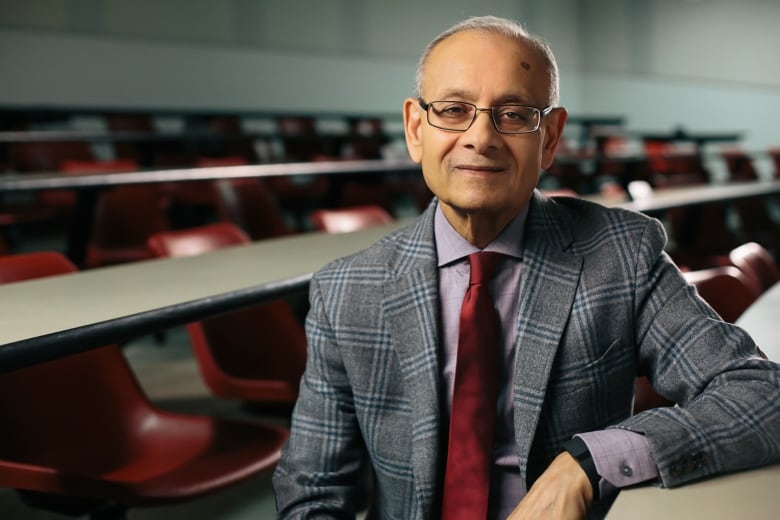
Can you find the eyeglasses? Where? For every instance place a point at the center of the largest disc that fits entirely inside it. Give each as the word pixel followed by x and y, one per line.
pixel 458 116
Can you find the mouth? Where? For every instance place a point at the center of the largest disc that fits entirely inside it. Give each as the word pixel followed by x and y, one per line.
pixel 477 168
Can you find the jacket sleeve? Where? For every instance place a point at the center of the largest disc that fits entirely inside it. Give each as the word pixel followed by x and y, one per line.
pixel 321 467
pixel 728 413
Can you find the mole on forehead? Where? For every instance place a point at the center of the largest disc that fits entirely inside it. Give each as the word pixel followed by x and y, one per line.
pixel 525 65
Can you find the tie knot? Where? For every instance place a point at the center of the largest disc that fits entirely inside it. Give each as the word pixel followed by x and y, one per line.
pixel 483 266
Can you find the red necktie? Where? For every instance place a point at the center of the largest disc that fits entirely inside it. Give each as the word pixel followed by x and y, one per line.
pixel 473 415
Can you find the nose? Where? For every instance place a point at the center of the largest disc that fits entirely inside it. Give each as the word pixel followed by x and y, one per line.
pixel 482 134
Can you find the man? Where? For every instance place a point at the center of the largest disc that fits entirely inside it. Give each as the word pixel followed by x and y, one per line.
pixel 586 300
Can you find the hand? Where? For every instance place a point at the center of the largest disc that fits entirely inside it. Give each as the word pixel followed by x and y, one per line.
pixel 562 492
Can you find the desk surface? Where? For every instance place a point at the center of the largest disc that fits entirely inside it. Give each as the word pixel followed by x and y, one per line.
pixel 55 180
pixel 750 494
pixel 760 320
pixel 45 318
pixel 669 198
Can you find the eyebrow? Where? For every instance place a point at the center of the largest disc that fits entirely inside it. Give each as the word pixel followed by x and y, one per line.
pixel 510 99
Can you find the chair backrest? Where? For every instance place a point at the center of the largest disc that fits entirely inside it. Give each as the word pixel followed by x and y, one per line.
pixel 739 164
pixel 89 399
pixel 774 154
pixel 27 266
pixel 645 396
pixel 757 263
pixel 726 289
pixel 196 241
pixel 256 353
pixel 125 217
pixel 561 192
pixel 252 206
pixel 344 220
pixel 113 166
pixel 46 156
pixel 213 162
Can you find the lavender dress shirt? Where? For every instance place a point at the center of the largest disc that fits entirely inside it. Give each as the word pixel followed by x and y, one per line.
pixel 622 458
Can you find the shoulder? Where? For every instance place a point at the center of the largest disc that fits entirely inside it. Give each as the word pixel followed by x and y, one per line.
pixel 389 257
pixel 585 224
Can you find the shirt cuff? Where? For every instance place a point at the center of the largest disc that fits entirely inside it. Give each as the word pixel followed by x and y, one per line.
pixel 622 458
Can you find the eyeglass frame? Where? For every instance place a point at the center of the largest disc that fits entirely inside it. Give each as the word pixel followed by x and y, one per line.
pixel 543 112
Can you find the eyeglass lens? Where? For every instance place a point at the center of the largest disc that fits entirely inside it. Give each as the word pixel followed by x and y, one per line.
pixel 455 115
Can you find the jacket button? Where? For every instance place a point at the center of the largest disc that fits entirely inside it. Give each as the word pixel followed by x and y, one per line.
pixel 626 470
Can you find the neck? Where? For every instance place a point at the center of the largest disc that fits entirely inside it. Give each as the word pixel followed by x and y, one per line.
pixel 479 228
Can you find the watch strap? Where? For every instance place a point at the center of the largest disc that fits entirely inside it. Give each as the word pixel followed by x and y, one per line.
pixel 577 448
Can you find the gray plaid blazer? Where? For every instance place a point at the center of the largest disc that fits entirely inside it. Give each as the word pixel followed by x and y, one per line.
pixel 599 303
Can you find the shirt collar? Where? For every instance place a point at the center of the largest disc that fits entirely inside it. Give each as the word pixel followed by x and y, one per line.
pixel 451 247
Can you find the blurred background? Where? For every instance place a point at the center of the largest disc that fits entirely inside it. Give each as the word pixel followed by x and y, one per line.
pixel 673 93
pixel 661 64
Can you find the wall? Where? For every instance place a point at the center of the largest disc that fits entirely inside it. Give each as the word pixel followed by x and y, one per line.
pixel 704 64
pixel 333 55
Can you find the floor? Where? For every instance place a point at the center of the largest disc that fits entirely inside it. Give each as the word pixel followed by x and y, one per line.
pixel 168 374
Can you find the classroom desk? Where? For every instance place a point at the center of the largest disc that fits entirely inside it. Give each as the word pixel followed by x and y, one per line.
pixel 51 317
pixel 749 494
pixel 54 180
pixel 47 318
pixel 87 186
pixel 669 198
pixel 760 320
pixel 700 139
pixel 50 136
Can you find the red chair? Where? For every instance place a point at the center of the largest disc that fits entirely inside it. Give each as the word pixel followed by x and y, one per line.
pixel 199 193
pixel 133 123
pixel 256 354
pixel 728 290
pixel 125 217
pixel 252 206
pixel 73 166
pixel 774 154
pixel 64 200
pixel 344 220
pixel 561 192
pixel 46 156
pixel 79 435
pixel 738 163
pixel 757 263
pixel 645 396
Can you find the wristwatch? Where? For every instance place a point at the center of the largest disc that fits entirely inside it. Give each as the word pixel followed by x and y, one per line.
pixel 579 450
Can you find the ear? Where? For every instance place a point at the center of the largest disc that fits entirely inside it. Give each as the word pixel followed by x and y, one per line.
pixel 553 130
pixel 413 129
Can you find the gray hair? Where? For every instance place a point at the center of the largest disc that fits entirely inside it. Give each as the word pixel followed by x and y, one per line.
pixel 503 26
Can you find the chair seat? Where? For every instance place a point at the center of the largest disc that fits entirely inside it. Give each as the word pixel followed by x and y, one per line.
pixel 256 354
pixel 191 456
pixel 80 436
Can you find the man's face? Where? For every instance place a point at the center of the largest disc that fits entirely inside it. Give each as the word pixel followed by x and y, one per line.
pixel 481 170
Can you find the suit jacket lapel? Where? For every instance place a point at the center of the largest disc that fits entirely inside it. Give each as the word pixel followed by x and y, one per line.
pixel 411 310
pixel 549 282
